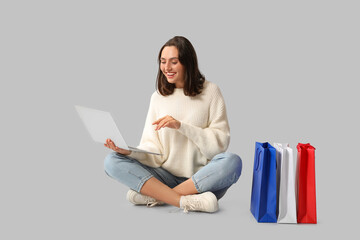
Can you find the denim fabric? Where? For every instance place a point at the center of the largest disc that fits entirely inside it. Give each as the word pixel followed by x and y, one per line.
pixel 217 176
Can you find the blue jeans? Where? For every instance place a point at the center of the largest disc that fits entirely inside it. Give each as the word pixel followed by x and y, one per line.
pixel 217 176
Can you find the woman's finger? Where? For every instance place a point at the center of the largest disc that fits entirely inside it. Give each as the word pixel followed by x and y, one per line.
pixel 157 121
pixel 162 124
pixel 113 145
pixel 166 124
pixel 108 141
pixel 157 125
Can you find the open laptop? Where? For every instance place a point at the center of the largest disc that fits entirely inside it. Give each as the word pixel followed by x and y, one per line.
pixel 101 126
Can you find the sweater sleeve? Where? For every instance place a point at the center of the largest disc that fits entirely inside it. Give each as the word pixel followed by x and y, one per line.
pixel 214 138
pixel 150 141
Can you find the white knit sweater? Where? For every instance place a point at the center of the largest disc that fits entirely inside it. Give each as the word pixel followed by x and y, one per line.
pixel 204 131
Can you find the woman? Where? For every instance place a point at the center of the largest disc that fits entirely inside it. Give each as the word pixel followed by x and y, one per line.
pixel 188 125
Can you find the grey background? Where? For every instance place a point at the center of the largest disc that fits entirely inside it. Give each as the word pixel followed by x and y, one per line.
pixel 288 71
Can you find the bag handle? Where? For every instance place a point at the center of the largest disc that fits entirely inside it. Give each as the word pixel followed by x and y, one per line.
pixel 257 160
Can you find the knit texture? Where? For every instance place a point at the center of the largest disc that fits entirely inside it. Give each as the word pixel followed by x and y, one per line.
pixel 204 131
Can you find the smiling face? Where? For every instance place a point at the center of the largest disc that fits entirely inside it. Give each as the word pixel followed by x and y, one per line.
pixel 171 67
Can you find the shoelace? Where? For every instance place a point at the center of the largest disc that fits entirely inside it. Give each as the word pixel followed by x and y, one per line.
pixel 194 206
pixel 151 203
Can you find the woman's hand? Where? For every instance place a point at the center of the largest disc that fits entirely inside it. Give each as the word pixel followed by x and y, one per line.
pixel 167 121
pixel 110 144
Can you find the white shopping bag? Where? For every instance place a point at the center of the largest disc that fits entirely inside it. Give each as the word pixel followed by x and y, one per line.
pixel 285 173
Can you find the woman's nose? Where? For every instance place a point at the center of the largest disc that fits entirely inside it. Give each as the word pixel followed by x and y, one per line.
pixel 167 67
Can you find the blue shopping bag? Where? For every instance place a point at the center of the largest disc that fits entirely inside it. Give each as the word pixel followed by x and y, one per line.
pixel 263 194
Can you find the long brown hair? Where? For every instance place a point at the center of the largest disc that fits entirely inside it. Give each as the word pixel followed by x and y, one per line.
pixel 194 79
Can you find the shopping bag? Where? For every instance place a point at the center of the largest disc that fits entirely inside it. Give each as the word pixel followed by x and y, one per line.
pixel 306 212
pixel 285 179
pixel 263 193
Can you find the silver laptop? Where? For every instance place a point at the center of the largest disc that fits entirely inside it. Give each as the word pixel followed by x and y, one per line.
pixel 101 126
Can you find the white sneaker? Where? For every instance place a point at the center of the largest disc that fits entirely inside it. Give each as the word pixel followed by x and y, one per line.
pixel 139 199
pixel 204 202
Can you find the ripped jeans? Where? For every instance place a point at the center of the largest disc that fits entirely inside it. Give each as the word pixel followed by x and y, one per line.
pixel 217 176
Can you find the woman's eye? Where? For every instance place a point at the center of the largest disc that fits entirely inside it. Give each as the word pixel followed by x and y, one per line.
pixel 174 62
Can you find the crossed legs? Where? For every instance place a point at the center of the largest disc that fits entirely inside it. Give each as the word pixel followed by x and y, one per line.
pixel 158 190
pixel 217 176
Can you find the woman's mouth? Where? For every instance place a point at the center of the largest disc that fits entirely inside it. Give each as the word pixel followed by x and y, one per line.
pixel 170 75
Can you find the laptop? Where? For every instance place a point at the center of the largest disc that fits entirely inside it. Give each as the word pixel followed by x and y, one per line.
pixel 101 126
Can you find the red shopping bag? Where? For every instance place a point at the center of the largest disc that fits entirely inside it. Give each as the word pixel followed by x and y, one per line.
pixel 306 211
